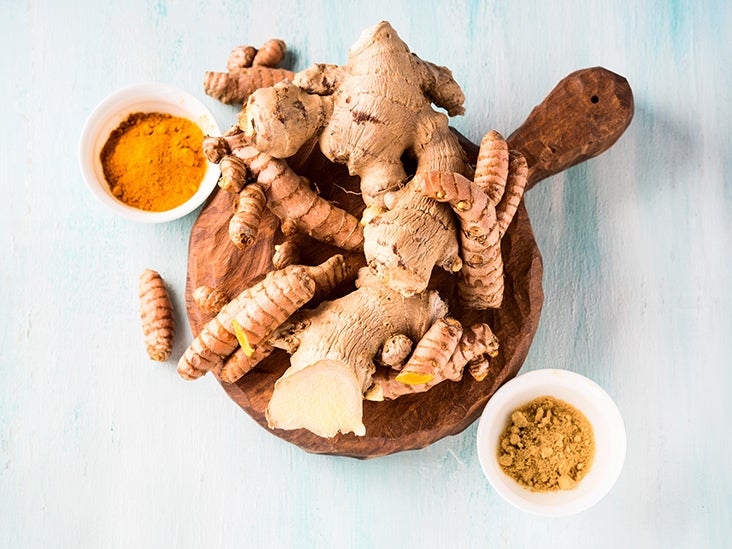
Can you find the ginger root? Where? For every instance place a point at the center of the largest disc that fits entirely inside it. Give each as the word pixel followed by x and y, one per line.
pixel 248 70
pixel 333 349
pixel 391 336
pixel 156 314
pixel 367 113
pixel 403 243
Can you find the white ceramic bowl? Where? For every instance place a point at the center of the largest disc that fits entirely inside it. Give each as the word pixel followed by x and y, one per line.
pixel 107 116
pixel 584 395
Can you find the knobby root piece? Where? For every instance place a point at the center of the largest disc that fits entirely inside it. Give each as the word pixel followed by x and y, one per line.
pixel 491 169
pixel 258 311
pixel 289 196
pixel 485 208
pixel 282 118
pixel 331 273
pixel 403 244
pixel 288 253
pixel 432 353
pixel 481 276
pixel 234 88
pixel 518 173
pixel 331 368
pixel 248 208
pixel 360 125
pixel 156 314
pixel 241 57
pixel 479 368
pixel 270 53
pixel 477 342
pixel 233 174
pixel 396 351
pixel 210 300
pixel 475 346
pixel 240 362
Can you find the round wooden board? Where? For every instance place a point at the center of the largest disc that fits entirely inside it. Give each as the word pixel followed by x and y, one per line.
pixel 600 107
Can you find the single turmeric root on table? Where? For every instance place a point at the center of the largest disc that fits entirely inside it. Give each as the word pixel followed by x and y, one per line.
pixel 156 313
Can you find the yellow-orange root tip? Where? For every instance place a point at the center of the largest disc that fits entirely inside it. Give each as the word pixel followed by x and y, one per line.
pixel 242 338
pixel 414 378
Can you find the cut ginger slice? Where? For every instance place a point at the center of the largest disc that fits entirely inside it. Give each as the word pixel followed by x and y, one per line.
pixel 324 398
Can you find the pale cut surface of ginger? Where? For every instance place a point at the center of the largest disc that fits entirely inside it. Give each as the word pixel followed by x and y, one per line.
pixel 324 398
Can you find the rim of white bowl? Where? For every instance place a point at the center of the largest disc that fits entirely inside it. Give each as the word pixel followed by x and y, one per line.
pixel 583 394
pixel 110 112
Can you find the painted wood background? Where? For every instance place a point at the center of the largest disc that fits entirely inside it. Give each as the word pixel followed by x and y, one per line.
pixel 99 447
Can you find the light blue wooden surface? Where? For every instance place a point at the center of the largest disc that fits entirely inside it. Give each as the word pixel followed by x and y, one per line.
pixel 101 448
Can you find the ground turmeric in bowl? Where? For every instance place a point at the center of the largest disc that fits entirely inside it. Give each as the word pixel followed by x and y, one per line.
pixel 548 445
pixel 154 161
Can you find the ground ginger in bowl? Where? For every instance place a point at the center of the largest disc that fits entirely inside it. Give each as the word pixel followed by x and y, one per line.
pixel 548 445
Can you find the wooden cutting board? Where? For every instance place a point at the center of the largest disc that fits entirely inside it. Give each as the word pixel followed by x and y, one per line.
pixel 580 118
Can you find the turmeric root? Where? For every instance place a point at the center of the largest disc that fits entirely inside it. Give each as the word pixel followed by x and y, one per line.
pixel 270 53
pixel 242 362
pixel 367 114
pixel 210 300
pixel 244 325
pixel 432 353
pixel 287 253
pixel 241 57
pixel 257 311
pixel 491 169
pixel 472 349
pixel 156 313
pixel 518 173
pixel 248 209
pixel 289 196
pixel 484 208
pixel 248 70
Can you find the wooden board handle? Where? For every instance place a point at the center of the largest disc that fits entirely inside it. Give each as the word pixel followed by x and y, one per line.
pixel 583 116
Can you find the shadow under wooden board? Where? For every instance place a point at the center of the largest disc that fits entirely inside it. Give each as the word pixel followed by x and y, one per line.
pixel 580 118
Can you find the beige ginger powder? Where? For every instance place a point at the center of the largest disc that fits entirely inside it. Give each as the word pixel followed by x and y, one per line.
pixel 548 445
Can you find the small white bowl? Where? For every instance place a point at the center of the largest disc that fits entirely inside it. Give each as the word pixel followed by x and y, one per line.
pixel 107 116
pixel 584 395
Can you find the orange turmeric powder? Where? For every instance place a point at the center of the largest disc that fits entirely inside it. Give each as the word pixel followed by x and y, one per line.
pixel 154 161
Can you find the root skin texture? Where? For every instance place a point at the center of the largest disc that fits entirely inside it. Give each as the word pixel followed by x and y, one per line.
pixel 368 114
pixel 210 300
pixel 234 88
pixel 287 253
pixel 289 196
pixel 270 53
pixel 248 209
pixel 472 348
pixel 485 208
pixel 258 311
pixel 156 315
pixel 432 353
pixel 403 244
pixel 395 351
pixel 333 349
pixel 248 70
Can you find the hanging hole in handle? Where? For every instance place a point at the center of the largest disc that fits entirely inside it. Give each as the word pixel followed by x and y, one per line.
pixel 595 99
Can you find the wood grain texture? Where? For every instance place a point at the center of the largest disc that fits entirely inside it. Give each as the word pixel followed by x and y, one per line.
pixel 581 117
pixel 100 448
